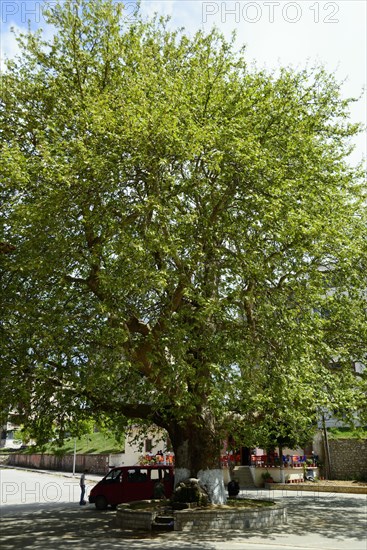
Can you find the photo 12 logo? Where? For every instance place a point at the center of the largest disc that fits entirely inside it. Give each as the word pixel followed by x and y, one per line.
pixel 35 12
pixel 271 12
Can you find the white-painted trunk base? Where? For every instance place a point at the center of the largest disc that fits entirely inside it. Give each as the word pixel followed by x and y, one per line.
pixel 282 475
pixel 213 481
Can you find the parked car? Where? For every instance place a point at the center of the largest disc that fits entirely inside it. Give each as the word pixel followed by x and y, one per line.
pixel 129 483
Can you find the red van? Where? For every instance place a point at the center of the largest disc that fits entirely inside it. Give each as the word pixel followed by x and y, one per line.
pixel 128 483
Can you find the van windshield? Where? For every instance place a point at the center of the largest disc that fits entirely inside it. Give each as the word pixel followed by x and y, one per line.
pixel 113 475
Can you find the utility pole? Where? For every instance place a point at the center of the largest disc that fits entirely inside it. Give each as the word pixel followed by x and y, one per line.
pixel 74 457
pixel 327 449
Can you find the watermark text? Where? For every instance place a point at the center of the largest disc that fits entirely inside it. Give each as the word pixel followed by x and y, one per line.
pixel 26 493
pixel 35 11
pixel 271 12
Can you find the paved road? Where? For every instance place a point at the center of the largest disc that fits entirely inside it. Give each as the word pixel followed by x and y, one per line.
pixel 41 512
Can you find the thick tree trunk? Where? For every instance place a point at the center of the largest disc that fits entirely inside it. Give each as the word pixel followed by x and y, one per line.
pixel 197 454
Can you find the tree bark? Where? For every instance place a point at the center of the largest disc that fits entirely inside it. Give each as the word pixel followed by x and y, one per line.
pixel 197 449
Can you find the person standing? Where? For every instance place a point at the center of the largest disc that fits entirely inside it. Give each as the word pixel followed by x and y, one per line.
pixel 82 488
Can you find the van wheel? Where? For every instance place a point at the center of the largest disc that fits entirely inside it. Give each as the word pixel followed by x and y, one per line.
pixel 101 503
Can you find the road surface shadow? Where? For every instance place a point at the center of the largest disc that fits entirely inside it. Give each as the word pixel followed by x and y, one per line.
pixel 47 526
pixel 62 526
pixel 53 525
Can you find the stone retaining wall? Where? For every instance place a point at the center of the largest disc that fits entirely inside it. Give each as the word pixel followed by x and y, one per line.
pixel 134 520
pixel 96 464
pixel 205 519
pixel 348 459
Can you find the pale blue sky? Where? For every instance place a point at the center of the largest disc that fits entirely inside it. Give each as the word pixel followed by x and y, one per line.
pixel 276 33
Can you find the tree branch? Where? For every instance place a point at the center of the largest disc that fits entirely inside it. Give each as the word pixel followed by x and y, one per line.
pixel 134 325
pixel 6 248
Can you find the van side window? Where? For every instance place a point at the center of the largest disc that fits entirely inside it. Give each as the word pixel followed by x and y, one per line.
pixel 154 475
pixel 137 475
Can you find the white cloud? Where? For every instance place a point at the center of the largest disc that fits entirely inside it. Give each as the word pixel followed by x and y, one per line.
pixel 8 45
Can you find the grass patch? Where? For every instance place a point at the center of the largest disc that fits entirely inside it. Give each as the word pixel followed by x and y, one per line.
pixel 94 443
pixel 242 503
pixel 148 505
pixel 348 433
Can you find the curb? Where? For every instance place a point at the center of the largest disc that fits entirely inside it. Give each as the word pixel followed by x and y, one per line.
pixel 315 488
pixel 76 476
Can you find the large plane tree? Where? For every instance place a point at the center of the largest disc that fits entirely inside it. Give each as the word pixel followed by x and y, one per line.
pixel 181 237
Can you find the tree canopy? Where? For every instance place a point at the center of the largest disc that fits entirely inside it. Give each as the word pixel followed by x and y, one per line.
pixel 182 235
